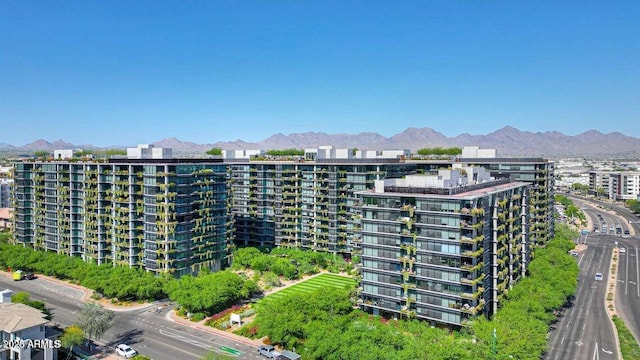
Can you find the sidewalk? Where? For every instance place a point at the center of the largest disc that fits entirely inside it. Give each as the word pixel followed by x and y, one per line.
pixel 88 293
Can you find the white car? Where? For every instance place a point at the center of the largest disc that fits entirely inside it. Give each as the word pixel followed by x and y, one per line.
pixel 598 277
pixel 623 250
pixel 126 351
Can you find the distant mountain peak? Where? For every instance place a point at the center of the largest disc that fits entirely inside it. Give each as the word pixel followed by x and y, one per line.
pixel 508 141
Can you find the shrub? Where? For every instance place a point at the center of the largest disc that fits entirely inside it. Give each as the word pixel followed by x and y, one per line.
pixel 248 330
pixel 197 317
pixel 247 313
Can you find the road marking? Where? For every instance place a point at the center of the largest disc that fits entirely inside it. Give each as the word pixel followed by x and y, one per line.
pixel 607 351
pixel 185 339
pixel 176 348
pixel 562 342
pixel 230 350
pixel 632 282
pixel 596 354
pixel 579 343
pixel 626 285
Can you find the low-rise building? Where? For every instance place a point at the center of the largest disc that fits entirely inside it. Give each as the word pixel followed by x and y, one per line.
pixel 6 218
pixel 24 334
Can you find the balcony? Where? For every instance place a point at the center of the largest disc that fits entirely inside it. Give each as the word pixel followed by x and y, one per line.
pixel 471 267
pixel 473 254
pixel 471 241
pixel 472 281
pixel 473 310
pixel 472 296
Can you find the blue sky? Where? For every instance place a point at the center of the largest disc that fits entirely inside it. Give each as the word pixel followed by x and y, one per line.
pixel 127 72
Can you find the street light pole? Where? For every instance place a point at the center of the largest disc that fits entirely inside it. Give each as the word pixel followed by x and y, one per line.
pixel 494 338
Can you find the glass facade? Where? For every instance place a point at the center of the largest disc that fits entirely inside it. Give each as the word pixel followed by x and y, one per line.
pixel 160 216
pixel 442 258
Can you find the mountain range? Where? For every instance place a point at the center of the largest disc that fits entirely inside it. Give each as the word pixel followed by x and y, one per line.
pixel 508 141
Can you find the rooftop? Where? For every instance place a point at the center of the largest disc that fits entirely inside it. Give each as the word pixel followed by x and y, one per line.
pixel 15 317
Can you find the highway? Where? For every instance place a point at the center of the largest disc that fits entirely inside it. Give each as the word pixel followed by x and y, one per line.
pixel 628 291
pixel 584 330
pixel 147 331
pixel 627 300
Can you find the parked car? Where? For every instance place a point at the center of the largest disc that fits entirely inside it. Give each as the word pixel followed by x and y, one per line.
pixel 126 351
pixel 573 252
pixel 598 277
pixel 268 351
pixel 29 275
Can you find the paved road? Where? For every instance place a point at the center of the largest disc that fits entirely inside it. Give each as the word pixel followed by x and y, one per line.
pixel 147 331
pixel 628 271
pixel 584 330
pixel 628 291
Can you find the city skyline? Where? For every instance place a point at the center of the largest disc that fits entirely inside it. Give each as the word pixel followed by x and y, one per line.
pixel 127 73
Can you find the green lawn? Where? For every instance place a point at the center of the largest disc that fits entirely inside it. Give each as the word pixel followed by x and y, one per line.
pixel 307 286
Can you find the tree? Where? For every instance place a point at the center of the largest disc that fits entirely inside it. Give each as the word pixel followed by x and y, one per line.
pixel 84 153
pixel 23 297
pixel 112 152
pixel 41 154
pixel 580 188
pixel 634 206
pixel 95 320
pixel 210 293
pixel 72 336
pixel 440 151
pixel 286 152
pixel 215 151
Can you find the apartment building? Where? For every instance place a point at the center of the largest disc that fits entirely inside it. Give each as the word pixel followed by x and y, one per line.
pixel 306 201
pixel 443 246
pixel 180 215
pixel 600 183
pixel 615 185
pixel 147 210
pixel 538 172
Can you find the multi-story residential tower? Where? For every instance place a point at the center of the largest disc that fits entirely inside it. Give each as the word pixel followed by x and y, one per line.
pixel 538 172
pixel 307 202
pixel 148 210
pixel 440 247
